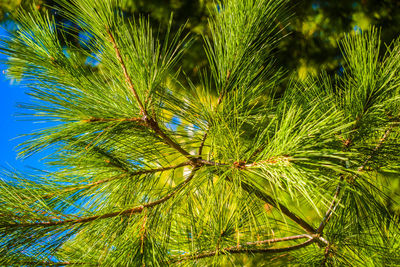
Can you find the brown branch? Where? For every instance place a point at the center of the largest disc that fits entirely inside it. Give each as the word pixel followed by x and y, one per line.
pixel 200 161
pixel 327 253
pixel 156 128
pixel 236 250
pixel 241 165
pixel 127 77
pixel 138 120
pixel 270 200
pixel 276 240
pixel 137 209
pixel 202 144
pixel 150 122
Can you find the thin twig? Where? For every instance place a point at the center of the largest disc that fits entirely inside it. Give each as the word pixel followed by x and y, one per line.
pixel 235 250
pixel 202 162
pixel 156 128
pixel 134 210
pixel 150 122
pixel 276 240
pixel 270 200
pixel 264 197
pixel 326 255
pixel 202 144
pixel 138 120
pixel 272 160
pixel 127 77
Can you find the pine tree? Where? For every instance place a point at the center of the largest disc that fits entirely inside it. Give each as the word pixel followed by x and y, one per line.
pixel 149 168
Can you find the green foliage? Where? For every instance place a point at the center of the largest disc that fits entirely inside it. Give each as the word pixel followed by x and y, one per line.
pixel 151 170
pixel 313 32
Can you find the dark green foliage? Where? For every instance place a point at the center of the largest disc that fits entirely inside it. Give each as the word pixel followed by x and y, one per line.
pixel 313 32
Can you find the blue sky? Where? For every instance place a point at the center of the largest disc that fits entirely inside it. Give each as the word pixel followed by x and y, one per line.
pixel 11 126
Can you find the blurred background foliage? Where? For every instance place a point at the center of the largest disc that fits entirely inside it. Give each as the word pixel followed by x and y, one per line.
pixel 311 39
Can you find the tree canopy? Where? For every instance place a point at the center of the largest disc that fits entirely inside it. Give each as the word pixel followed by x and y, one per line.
pixel 153 168
pixel 313 32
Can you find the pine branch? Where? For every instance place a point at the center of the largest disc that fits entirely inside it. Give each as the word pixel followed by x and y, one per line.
pixel 134 210
pixel 138 120
pixel 202 144
pixel 151 123
pixel 270 200
pixel 242 250
pixel 276 240
pixel 327 252
pixel 126 74
pixel 242 39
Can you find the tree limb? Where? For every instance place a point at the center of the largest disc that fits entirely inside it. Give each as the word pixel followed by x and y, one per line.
pixel 138 120
pixel 150 122
pixel 134 210
pixel 270 200
pixel 236 250
pixel 202 144
pixel 126 74
pixel 276 240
